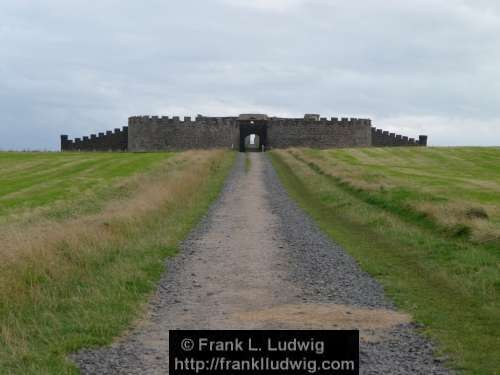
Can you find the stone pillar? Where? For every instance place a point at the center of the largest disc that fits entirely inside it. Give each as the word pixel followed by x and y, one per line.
pixel 64 142
pixel 422 140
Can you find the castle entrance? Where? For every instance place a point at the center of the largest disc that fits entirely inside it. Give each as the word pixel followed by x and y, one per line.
pixel 252 143
pixel 253 133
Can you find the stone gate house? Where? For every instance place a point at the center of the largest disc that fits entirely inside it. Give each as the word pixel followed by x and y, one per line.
pixel 146 133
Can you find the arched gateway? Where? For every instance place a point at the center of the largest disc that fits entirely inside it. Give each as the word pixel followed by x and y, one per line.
pixel 253 124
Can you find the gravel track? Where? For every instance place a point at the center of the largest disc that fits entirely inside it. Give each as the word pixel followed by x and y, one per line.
pixel 257 261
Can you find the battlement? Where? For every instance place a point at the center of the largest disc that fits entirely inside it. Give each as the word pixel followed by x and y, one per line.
pixel 381 138
pixel 187 120
pixel 203 120
pixel 164 133
pixel 333 121
pixel 116 140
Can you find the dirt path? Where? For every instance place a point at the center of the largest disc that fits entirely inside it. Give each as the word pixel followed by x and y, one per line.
pixel 257 261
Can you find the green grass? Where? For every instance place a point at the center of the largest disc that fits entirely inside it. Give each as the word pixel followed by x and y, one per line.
pixel 33 180
pixel 80 280
pixel 392 209
pixel 443 187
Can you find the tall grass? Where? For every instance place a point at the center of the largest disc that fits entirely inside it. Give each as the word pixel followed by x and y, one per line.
pixel 448 282
pixel 78 280
pixel 456 190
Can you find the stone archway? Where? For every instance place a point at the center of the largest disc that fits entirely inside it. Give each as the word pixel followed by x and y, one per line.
pixel 253 124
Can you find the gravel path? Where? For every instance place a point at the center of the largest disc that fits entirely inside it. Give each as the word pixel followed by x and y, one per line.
pixel 258 262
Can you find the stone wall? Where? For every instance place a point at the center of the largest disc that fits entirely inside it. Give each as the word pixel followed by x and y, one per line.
pixel 116 140
pixel 283 133
pixel 146 133
pixel 381 138
pixel 170 134
pixel 163 133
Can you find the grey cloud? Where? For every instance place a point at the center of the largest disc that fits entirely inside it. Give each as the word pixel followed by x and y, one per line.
pixel 420 66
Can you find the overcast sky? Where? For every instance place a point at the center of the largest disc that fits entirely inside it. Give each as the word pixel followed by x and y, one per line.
pixel 417 67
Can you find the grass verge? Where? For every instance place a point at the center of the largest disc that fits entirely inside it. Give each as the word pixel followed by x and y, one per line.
pixel 448 283
pixel 80 281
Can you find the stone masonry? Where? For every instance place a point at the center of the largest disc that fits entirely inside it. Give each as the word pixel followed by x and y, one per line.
pixel 145 134
pixel 116 140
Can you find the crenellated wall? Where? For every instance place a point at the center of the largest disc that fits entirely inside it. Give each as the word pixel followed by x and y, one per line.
pixel 163 133
pixel 116 140
pixel 381 138
pixel 322 133
pixel 154 133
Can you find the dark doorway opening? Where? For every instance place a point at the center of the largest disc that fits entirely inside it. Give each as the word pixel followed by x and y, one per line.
pixel 253 135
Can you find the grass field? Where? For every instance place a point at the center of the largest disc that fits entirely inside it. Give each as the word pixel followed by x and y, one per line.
pixel 34 180
pixel 83 242
pixel 423 221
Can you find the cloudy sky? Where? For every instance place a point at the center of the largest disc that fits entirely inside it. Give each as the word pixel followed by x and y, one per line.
pixel 417 67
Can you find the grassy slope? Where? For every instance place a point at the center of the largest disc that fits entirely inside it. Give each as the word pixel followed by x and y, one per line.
pixel 448 186
pixel 34 180
pixel 78 278
pixel 448 281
